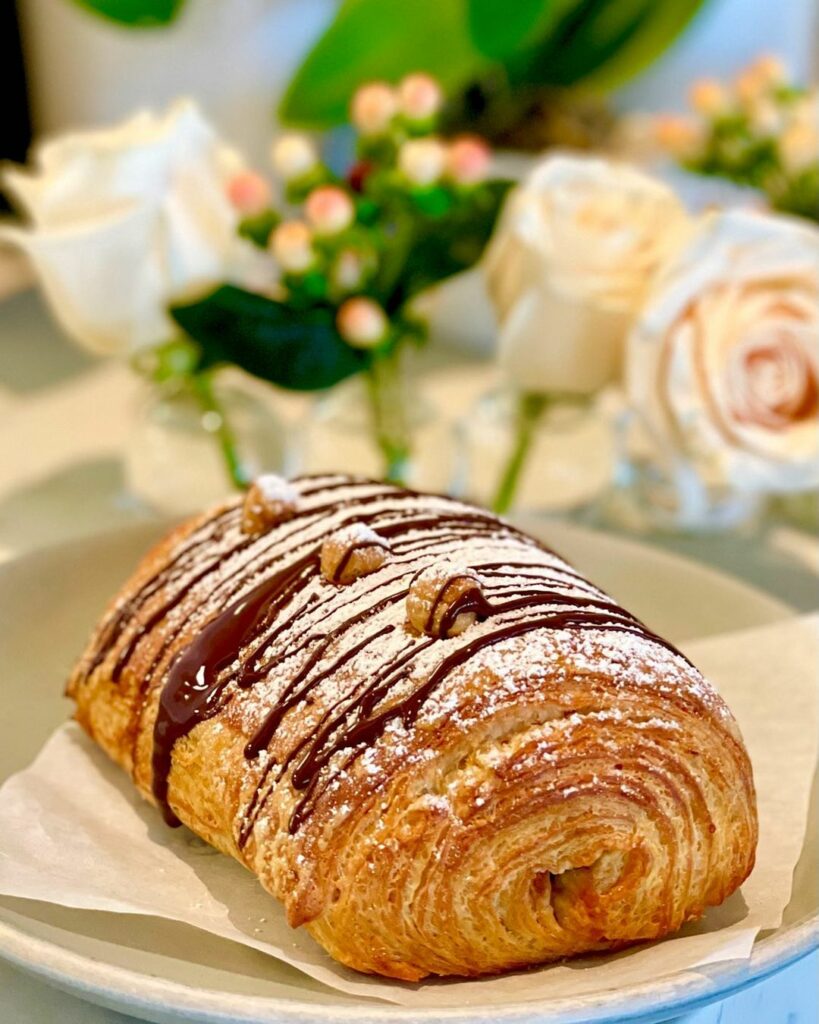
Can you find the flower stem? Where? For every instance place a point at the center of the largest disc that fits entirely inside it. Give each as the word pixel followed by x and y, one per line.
pixel 529 410
pixel 389 415
pixel 215 421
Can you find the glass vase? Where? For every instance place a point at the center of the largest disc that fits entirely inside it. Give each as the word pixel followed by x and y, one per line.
pixel 534 453
pixel 659 490
pixel 378 424
pixel 196 440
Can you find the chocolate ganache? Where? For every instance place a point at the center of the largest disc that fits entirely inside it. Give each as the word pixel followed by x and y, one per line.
pixel 272 608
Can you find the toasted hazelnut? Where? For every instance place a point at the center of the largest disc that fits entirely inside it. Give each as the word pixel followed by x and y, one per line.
pixel 352 551
pixel 437 593
pixel 271 499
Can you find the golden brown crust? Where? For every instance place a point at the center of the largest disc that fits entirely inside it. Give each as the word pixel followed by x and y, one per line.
pixel 571 786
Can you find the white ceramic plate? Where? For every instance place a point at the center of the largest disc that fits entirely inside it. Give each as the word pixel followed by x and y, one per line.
pixel 162 971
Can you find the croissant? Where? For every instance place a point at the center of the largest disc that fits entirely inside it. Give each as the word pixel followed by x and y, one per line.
pixel 441 747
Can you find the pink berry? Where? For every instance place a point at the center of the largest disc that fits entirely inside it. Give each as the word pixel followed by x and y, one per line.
pixel 419 97
pixel 293 156
pixel 329 210
pixel 249 193
pixel 292 245
pixel 422 161
pixel 468 160
pixel 373 107
pixel 362 322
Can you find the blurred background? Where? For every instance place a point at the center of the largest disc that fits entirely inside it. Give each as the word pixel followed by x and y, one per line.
pixel 71 66
pixel 86 445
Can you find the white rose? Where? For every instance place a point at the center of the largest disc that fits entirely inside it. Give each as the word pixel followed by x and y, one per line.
pixel 125 220
pixel 569 265
pixel 724 362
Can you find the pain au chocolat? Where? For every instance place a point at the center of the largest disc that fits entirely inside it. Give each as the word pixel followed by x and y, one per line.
pixel 441 747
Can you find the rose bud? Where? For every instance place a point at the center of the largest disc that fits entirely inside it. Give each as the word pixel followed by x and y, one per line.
pixel 468 160
pixel 708 97
pixel 292 245
pixel 249 193
pixel 362 322
pixel 419 97
pixel 422 161
pixel 329 210
pixel 373 107
pixel 293 156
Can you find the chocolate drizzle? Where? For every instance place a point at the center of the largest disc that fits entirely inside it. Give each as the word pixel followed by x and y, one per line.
pixel 276 619
pixel 195 681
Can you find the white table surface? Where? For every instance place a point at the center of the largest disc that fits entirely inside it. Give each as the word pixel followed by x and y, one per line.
pixel 64 421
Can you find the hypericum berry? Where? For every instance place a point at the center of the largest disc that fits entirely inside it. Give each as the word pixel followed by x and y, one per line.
pixel 468 160
pixel 358 174
pixel 362 322
pixel 292 245
pixel 770 69
pixel 329 210
pixel 708 97
pixel 348 270
pixel 679 135
pixel 293 156
pixel 799 146
pixel 759 78
pixel 249 193
pixel 765 116
pixel 373 107
pixel 422 161
pixel 419 97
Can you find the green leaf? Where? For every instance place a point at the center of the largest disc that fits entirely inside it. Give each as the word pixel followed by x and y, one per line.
pixel 136 13
pixel 257 229
pixel 659 25
pixel 599 44
pixel 500 29
pixel 300 350
pixel 372 39
pixel 451 243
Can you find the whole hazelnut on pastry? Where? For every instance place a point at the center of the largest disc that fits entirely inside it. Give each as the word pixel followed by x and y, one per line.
pixel 352 551
pixel 445 599
pixel 270 499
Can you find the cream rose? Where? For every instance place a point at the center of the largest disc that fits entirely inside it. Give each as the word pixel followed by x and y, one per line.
pixel 123 221
pixel 724 362
pixel 569 266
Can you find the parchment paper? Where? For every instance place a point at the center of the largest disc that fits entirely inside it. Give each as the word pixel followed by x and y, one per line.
pixel 74 832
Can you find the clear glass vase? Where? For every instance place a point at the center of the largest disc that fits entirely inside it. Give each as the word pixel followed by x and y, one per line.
pixel 655 490
pixel 380 425
pixel 534 453
pixel 192 445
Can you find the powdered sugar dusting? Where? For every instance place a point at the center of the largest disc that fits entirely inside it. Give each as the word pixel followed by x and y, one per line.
pixel 342 656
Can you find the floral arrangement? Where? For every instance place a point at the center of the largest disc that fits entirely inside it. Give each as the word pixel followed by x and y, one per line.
pixel 154 239
pixel 709 324
pixel 761 130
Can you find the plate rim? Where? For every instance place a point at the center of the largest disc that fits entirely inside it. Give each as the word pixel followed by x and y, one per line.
pixel 133 991
pixel 120 987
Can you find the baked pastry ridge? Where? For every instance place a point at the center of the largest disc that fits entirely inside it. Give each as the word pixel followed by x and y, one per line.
pixel 442 748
